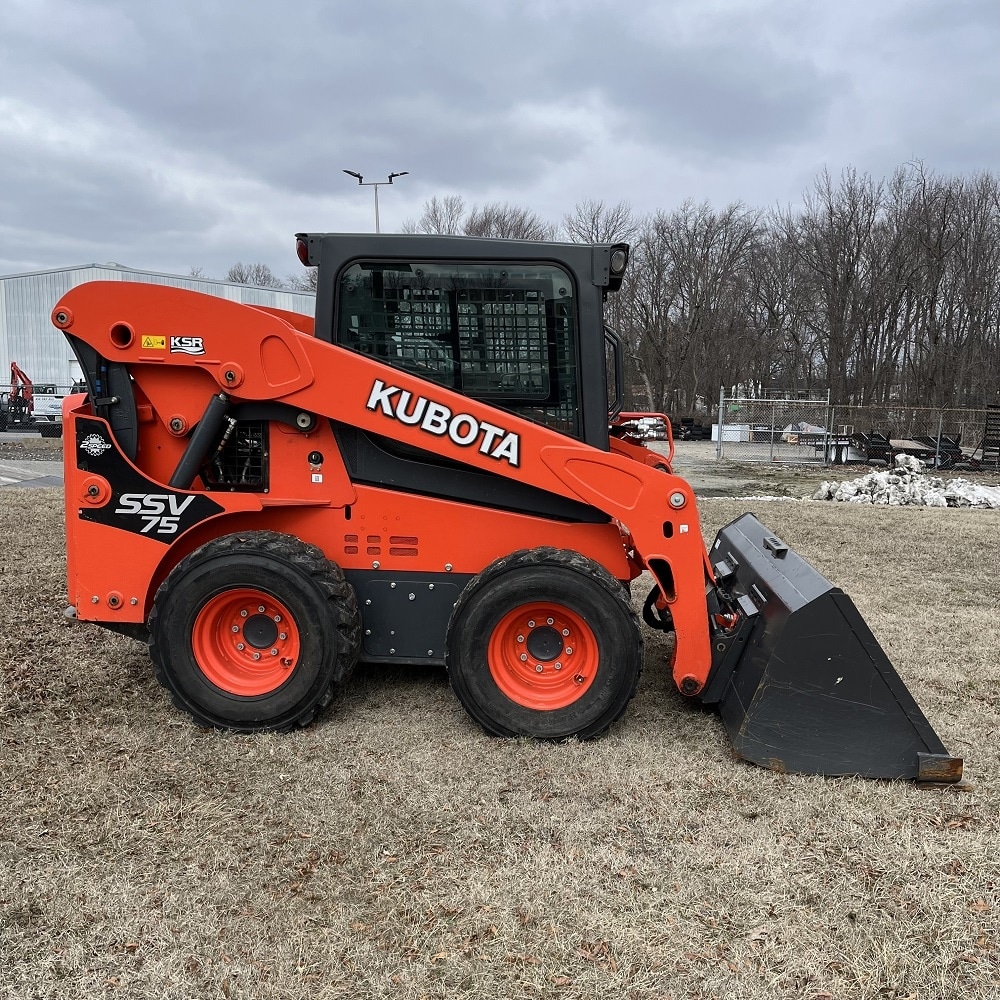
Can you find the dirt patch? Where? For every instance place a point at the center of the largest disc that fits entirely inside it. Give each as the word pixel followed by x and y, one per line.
pixel 30 448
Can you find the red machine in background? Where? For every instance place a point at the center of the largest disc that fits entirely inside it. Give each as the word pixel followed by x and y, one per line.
pixel 22 395
pixel 17 406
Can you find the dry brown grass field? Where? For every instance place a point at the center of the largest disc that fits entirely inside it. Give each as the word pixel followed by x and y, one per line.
pixel 393 850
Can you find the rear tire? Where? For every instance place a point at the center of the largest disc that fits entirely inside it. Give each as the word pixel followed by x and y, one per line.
pixel 254 632
pixel 544 643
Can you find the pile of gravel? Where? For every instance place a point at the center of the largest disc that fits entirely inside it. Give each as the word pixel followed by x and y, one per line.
pixel 907 485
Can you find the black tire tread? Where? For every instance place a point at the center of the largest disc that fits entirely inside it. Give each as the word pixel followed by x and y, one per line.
pixel 328 576
pixel 577 563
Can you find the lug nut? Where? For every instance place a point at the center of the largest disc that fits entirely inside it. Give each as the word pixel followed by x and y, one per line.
pixel 274 652
pixel 524 657
pixel 578 678
pixel 538 668
pixel 243 614
pixel 565 632
pixel 240 646
pixel 282 635
pixel 256 656
pixel 236 628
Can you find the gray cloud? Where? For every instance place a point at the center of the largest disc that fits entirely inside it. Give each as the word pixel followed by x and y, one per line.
pixel 203 132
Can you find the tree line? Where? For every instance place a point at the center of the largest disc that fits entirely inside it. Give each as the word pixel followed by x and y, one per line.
pixel 884 291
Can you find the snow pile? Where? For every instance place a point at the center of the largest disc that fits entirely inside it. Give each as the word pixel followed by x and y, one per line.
pixel 906 485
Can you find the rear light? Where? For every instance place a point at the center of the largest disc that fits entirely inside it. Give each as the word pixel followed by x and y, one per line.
pixel 302 250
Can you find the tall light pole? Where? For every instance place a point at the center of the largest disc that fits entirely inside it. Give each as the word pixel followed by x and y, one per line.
pixel 376 185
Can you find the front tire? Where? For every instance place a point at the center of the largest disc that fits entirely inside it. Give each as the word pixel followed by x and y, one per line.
pixel 544 643
pixel 254 632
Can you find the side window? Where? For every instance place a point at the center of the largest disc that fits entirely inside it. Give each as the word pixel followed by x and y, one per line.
pixel 502 334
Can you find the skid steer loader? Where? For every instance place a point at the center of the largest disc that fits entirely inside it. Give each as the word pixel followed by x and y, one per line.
pixel 435 469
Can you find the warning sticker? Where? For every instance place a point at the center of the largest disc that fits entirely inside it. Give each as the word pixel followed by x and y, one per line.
pixel 154 343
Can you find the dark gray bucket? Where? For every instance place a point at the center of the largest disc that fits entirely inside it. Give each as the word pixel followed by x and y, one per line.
pixel 800 681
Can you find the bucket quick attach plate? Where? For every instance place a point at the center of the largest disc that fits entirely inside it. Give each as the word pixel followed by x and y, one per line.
pixel 801 683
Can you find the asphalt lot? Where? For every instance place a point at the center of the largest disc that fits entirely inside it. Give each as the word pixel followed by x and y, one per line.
pixel 29 461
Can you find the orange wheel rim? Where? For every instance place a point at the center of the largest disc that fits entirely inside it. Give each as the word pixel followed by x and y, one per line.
pixel 543 656
pixel 245 642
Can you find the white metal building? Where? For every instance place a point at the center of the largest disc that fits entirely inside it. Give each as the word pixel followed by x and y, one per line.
pixel 28 337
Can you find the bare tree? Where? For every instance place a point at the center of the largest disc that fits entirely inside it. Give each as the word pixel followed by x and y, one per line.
pixel 253 274
pixel 595 222
pixel 505 221
pixel 305 281
pixel 442 216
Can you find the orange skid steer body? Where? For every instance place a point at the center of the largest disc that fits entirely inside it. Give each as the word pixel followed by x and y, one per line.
pixel 435 469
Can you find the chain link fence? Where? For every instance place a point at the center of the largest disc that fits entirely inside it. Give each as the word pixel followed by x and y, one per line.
pixel 812 430
pixel 776 429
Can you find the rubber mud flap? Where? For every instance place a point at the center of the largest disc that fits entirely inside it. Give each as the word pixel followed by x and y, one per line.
pixel 809 689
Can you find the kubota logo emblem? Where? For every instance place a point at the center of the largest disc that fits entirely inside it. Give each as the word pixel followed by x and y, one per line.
pixel 436 418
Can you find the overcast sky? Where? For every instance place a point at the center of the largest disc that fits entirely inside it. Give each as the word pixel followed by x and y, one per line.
pixel 166 134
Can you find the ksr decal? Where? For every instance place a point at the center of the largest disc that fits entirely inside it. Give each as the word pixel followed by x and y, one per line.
pixel 187 345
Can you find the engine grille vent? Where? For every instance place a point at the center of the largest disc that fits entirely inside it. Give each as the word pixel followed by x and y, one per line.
pixel 240 462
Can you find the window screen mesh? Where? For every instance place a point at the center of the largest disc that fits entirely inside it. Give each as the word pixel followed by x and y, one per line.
pixel 502 335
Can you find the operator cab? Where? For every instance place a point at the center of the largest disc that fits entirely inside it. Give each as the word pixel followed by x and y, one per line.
pixel 516 324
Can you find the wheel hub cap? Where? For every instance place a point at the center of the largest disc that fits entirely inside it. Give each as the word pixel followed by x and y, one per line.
pixel 245 642
pixel 543 656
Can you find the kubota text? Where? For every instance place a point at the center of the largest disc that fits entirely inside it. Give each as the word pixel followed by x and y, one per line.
pixel 436 418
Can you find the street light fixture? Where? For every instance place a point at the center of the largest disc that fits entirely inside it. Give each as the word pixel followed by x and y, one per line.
pixel 376 184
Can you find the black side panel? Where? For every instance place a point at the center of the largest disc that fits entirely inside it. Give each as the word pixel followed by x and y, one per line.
pixel 405 615
pixel 136 504
pixel 111 395
pixel 379 461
